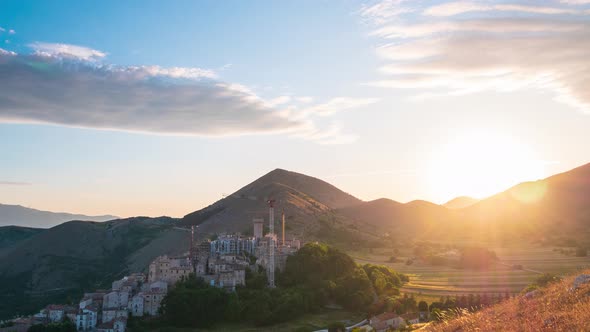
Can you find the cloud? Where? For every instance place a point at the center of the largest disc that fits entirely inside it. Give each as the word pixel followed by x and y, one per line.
pixel 14 183
pixel 12 32
pixel 72 86
pixel 575 2
pixel 336 105
pixel 2 29
pixel 383 11
pixel 500 51
pixel 461 7
pixel 66 51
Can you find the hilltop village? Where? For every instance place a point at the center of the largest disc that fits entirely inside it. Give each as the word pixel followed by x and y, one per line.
pixel 221 263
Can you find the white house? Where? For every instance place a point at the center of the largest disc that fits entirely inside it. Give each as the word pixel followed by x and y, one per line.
pixel 120 324
pixel 115 299
pixel 56 312
pixel 136 305
pixel 87 318
pixel 109 315
pixel 386 321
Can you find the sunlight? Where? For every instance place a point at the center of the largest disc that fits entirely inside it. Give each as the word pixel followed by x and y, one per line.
pixel 480 164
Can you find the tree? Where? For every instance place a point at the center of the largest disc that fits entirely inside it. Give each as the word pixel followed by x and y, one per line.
pixel 336 327
pixel 422 306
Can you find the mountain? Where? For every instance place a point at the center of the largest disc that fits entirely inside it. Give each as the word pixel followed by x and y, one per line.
pixel 408 218
pixel 49 266
pixel 460 202
pixel 11 236
pixel 305 201
pixel 22 216
pixel 556 205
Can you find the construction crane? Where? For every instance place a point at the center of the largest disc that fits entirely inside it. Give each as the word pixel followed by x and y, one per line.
pixel 271 227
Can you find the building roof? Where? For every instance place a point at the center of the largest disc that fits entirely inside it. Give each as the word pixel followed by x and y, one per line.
pixel 56 307
pixel 385 316
pixel 107 325
pixel 410 316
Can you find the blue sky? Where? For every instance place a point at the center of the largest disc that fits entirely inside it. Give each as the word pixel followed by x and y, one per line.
pixel 157 108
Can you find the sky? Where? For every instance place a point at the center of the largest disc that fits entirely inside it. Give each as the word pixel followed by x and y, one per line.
pixel 159 108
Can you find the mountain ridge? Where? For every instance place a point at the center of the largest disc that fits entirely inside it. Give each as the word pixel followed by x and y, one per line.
pixel 18 215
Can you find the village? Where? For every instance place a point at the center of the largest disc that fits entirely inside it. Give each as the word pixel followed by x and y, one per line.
pixel 221 262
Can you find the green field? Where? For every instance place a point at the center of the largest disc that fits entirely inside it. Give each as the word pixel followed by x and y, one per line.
pixel 429 282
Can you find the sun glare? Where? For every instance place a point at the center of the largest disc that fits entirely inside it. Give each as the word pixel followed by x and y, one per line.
pixel 481 164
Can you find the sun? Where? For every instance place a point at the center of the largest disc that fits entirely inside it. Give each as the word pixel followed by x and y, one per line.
pixel 480 164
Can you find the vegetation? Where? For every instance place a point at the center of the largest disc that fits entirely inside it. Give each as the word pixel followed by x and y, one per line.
pixel 317 275
pixel 555 308
pixel 65 326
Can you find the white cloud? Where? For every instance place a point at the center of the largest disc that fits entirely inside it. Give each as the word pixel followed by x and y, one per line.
pixel 12 32
pixel 461 7
pixel 66 51
pixel 575 2
pixel 67 85
pixel 2 29
pixel 383 11
pixel 336 105
pixel 501 51
pixel 6 53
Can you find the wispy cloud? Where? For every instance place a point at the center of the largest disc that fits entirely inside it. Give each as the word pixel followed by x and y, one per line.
pixel 72 85
pixel 461 7
pixel 14 183
pixel 66 51
pixel 443 54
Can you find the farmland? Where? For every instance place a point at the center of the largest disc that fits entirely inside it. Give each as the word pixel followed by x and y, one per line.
pixel 517 267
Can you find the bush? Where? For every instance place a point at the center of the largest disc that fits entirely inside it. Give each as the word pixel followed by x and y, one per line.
pixel 336 327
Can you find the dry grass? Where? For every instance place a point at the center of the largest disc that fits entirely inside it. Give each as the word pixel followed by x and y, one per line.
pixel 554 308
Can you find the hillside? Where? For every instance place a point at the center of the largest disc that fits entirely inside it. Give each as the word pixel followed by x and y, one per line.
pixel 304 200
pixel 11 236
pixel 413 217
pixel 460 202
pixel 555 308
pixel 22 216
pixel 75 256
pixel 556 205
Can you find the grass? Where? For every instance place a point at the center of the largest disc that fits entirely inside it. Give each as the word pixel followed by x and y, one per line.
pixel 309 322
pixel 429 282
pixel 555 308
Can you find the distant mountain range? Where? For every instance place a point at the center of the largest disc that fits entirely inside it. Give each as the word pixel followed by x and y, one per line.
pixel 17 215
pixel 42 265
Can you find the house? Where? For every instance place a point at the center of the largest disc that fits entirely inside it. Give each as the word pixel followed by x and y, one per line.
pixel 115 299
pixel 120 324
pixel 87 318
pixel 411 318
pixel 56 312
pixel 152 300
pixel 169 269
pixel 106 327
pixel 136 305
pixel 387 320
pixel 109 315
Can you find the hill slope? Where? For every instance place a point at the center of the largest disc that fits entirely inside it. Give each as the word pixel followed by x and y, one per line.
pixel 557 204
pixel 554 308
pixel 77 255
pixel 21 216
pixel 304 200
pixel 11 236
pixel 460 202
pixel 410 218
